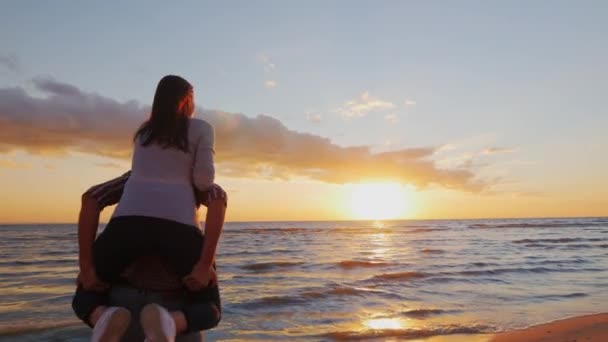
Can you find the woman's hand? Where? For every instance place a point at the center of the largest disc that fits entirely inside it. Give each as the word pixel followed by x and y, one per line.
pixel 89 280
pixel 200 277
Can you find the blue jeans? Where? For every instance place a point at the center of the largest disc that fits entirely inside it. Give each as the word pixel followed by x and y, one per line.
pixel 134 300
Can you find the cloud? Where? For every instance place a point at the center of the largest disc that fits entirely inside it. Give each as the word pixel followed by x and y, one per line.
pixel 270 83
pixel 10 61
pixel 446 147
pixel 363 105
pixel 110 165
pixel 11 164
pixel 264 59
pixel 314 117
pixel 392 118
pixel 410 103
pixel 469 159
pixel 497 150
pixel 69 119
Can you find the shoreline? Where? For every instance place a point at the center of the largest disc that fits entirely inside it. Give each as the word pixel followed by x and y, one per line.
pixel 592 327
pixel 584 328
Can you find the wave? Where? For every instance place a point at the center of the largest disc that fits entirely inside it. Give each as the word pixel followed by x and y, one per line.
pixel 272 301
pixel 560 240
pixel 562 296
pixel 265 266
pixel 498 271
pixel 554 224
pixel 23 328
pixel 560 262
pixel 345 291
pixel 305 297
pixel 69 260
pixel 349 264
pixel 578 246
pixel 282 230
pixel 423 313
pixel 572 246
pixel 483 264
pixel 433 251
pixel 483 275
pixel 422 230
pixel 405 333
pixel 399 276
pixel 348 291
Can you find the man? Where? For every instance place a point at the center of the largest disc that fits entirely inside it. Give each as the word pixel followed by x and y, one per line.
pixel 149 279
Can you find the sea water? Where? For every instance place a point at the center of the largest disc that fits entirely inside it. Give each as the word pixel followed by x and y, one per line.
pixel 324 281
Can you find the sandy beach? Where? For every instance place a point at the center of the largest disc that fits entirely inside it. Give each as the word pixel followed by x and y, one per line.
pixel 575 329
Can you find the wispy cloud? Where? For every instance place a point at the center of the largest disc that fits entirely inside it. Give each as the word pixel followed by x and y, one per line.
pixel 468 159
pixel 264 59
pixel 269 67
pixel 497 150
pixel 69 119
pixel 446 147
pixel 11 164
pixel 392 118
pixel 314 117
pixel 110 165
pixel 10 62
pixel 363 105
pixel 410 103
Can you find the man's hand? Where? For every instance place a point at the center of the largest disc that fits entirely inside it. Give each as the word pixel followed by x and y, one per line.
pixel 89 280
pixel 200 277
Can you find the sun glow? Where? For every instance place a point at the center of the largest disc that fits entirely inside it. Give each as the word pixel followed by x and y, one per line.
pixel 380 201
pixel 384 323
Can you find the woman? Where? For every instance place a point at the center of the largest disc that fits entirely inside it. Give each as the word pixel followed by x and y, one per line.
pixel 157 214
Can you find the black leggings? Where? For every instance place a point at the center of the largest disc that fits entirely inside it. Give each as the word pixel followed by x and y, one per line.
pixel 127 238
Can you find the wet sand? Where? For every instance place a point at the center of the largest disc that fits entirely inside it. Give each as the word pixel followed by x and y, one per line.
pixel 593 328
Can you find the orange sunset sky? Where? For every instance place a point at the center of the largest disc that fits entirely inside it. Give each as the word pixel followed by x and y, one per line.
pixel 320 112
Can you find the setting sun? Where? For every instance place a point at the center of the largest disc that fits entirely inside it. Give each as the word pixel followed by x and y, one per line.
pixel 380 201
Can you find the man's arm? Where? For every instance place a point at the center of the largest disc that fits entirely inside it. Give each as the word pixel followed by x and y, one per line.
pixel 92 203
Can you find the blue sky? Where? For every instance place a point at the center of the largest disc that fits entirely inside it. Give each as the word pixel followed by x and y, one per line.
pixel 528 77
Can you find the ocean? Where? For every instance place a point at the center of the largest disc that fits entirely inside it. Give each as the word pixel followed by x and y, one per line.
pixel 360 280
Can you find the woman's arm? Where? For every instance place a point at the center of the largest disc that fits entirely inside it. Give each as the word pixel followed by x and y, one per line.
pixel 214 222
pixel 216 203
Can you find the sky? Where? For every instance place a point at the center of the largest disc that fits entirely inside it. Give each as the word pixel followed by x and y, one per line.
pixel 468 109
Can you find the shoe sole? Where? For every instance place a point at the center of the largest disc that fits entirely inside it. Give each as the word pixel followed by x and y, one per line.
pixel 151 322
pixel 117 326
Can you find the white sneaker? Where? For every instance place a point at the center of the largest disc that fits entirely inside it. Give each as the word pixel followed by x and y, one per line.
pixel 157 323
pixel 111 325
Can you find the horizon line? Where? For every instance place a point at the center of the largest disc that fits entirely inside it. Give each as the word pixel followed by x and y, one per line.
pixel 353 220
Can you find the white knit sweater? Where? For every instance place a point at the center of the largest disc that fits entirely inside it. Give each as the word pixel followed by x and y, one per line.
pixel 162 179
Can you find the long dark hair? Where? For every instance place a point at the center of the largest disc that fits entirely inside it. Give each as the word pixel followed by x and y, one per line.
pixel 172 107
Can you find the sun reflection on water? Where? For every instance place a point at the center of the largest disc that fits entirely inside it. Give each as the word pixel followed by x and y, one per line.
pixel 385 323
